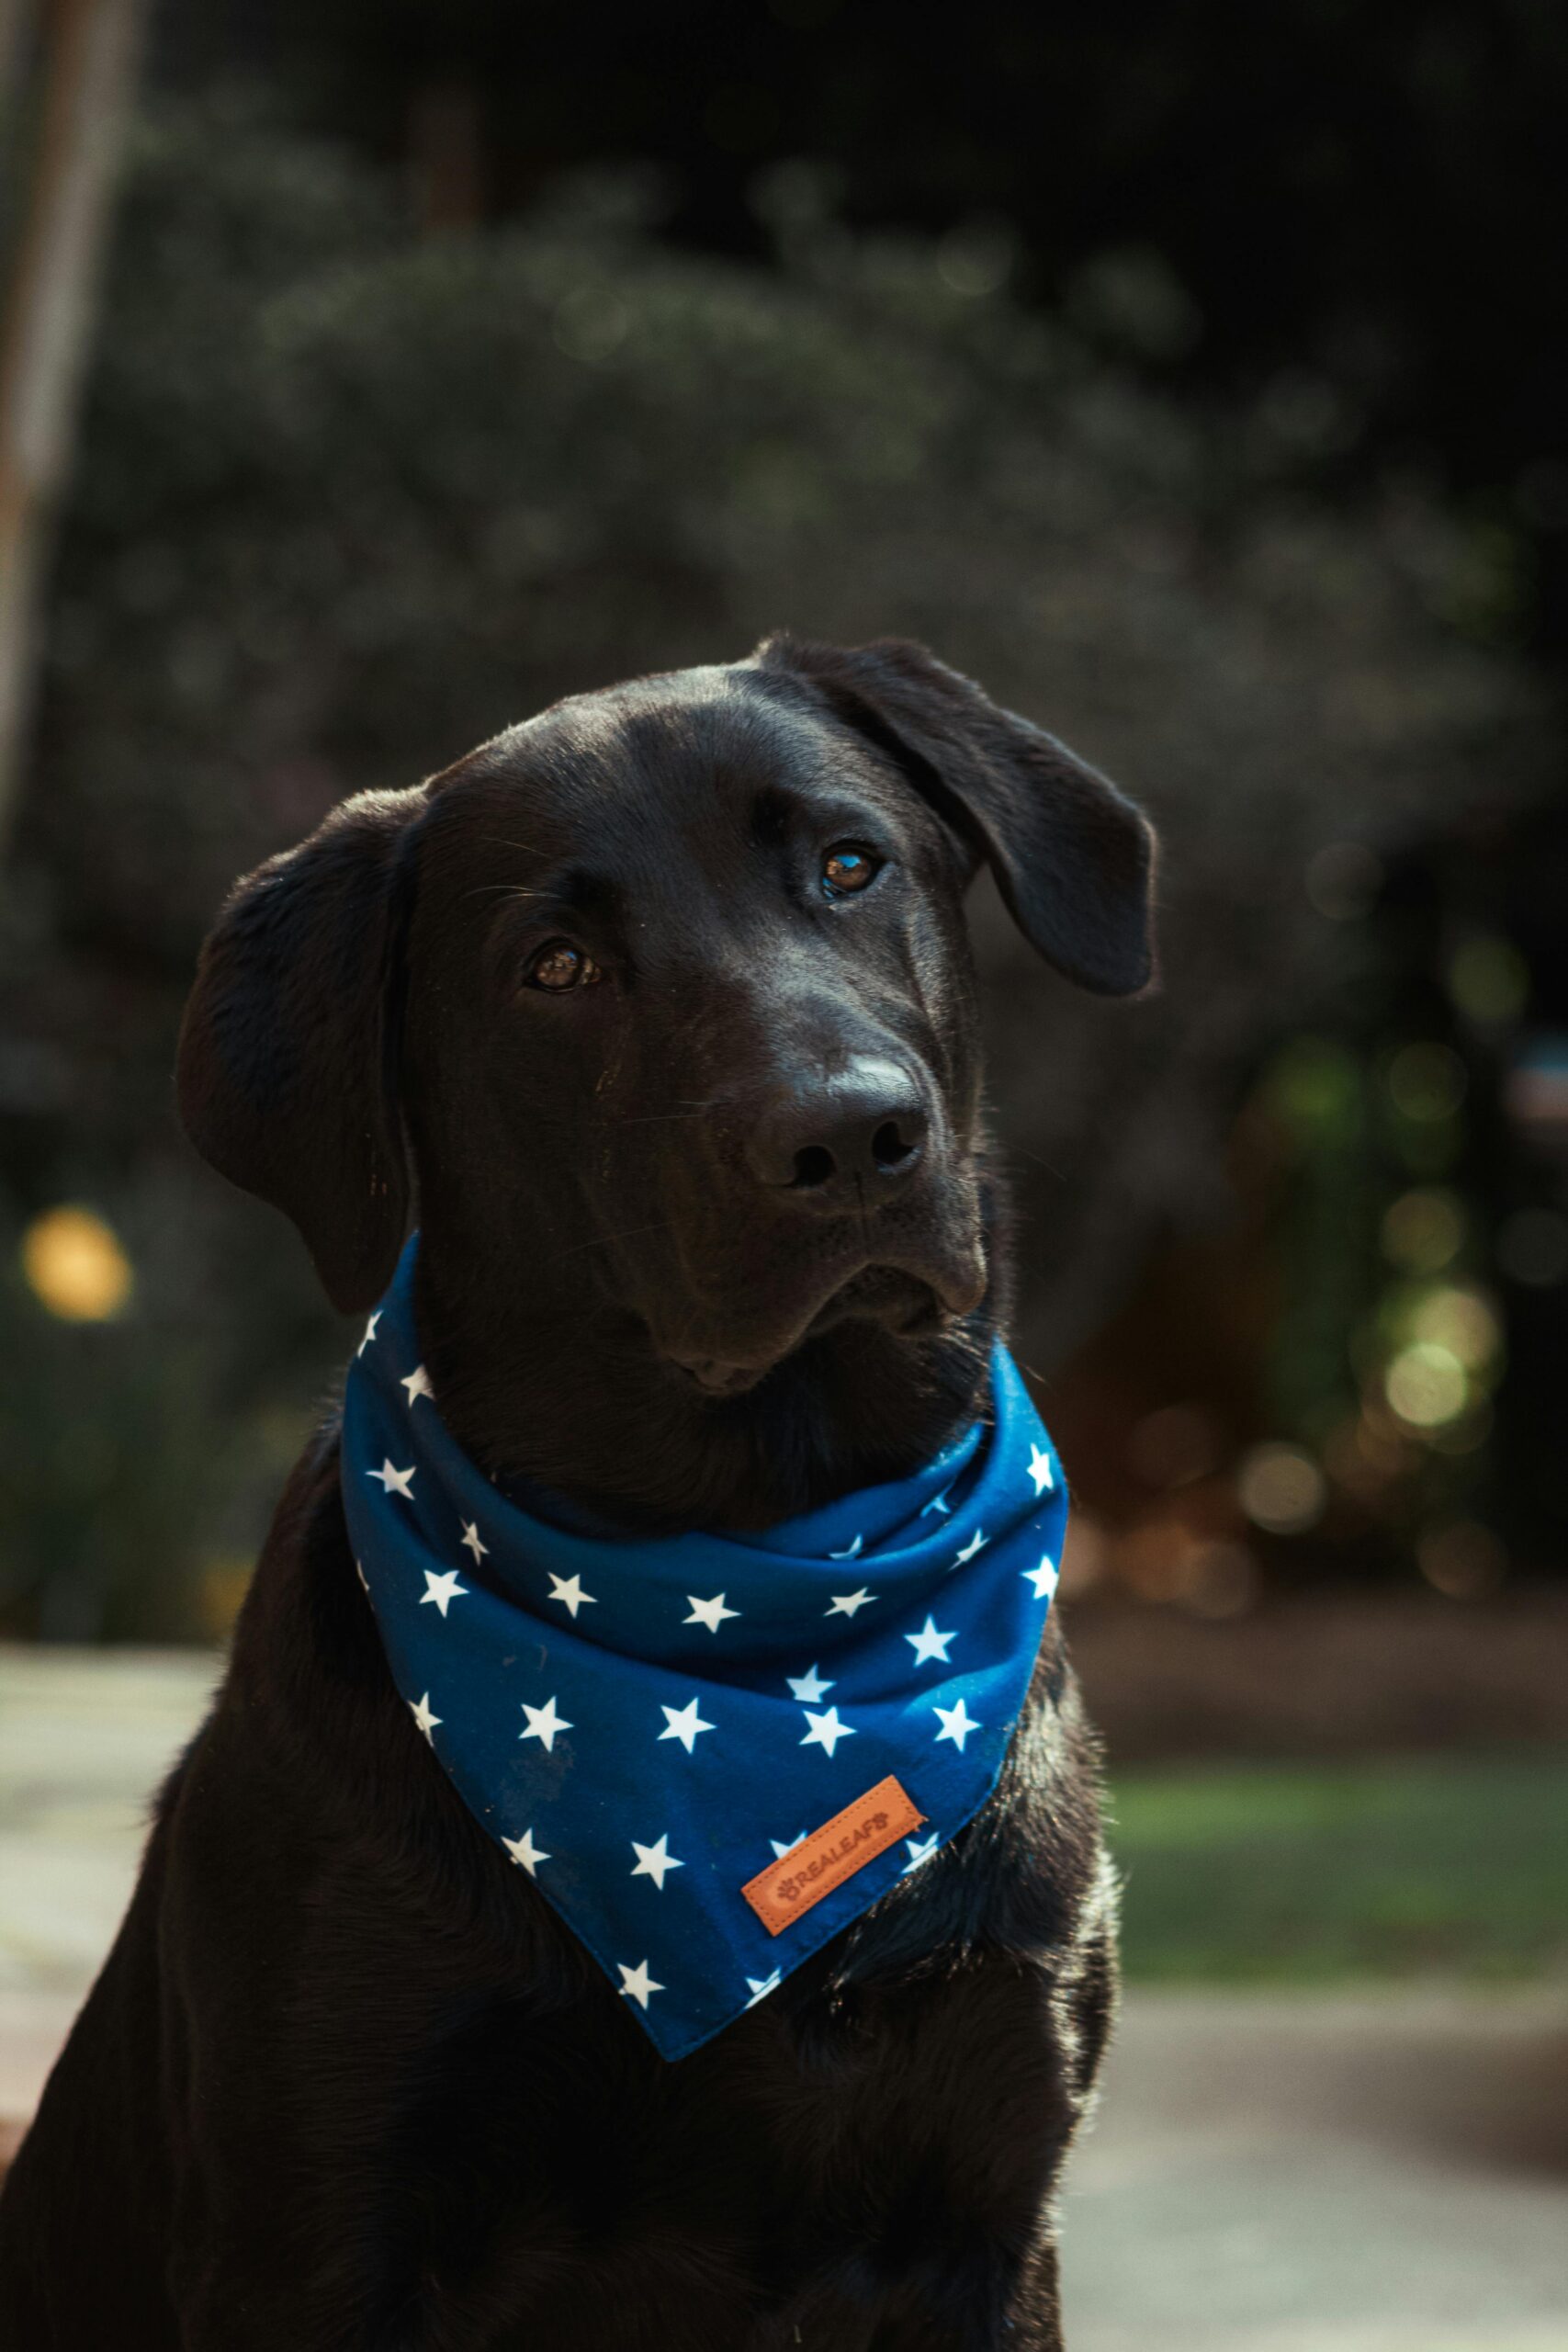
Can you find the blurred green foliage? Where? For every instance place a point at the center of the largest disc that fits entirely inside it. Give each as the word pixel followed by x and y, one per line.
pixel 1387 1345
pixel 144 1451
pixel 349 500
pixel 1290 1874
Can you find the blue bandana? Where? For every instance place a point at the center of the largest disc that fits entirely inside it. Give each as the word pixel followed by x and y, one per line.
pixel 709 1752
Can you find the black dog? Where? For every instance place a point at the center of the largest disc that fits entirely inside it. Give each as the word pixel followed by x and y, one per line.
pixel 663 1004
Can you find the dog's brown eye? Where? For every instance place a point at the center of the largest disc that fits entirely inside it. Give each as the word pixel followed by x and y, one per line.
pixel 846 869
pixel 560 967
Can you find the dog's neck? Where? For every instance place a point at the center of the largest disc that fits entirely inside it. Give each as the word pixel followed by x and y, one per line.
pixel 541 1383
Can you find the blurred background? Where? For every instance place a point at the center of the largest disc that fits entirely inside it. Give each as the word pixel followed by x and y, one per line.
pixel 1196 377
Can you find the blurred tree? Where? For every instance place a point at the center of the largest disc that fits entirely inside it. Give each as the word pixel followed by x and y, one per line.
pixel 92 49
pixel 1339 210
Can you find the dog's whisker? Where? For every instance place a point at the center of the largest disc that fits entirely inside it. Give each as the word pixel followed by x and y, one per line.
pixel 1024 1152
pixel 499 841
pixel 604 1240
pixel 652 1119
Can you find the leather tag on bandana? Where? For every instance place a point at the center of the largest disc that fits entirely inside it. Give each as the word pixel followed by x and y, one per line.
pixel 787 1888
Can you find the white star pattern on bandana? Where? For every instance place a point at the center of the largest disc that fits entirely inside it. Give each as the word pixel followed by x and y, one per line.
pixel 653 1861
pixel 683 1723
pixel 524 1851
pixel 369 1332
pixel 637 1982
pixel 826 1730
pixel 542 1723
pixel 957 1725
pixel 629 1719
pixel 928 1644
pixel 710 1613
pixel 568 1591
pixel 442 1589
pixel 1043 1577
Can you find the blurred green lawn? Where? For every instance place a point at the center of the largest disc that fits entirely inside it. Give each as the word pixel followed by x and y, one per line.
pixel 1285 1872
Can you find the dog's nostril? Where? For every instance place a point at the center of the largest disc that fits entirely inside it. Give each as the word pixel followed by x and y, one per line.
pixel 813 1166
pixel 888 1148
pixel 830 1134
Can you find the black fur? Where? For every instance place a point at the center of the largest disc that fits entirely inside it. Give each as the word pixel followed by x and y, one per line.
pixel 345 2080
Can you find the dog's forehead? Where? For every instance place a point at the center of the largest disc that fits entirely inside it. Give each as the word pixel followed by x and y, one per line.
pixel 623 770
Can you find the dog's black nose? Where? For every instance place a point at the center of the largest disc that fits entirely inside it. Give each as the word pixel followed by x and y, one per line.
pixel 864 1126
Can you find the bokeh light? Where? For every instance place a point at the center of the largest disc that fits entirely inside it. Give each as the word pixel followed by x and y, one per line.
pixel 1281 1488
pixel 976 259
pixel 1461 1320
pixel 1462 1558
pixel 1423 1230
pixel 1427 1384
pixel 75 1265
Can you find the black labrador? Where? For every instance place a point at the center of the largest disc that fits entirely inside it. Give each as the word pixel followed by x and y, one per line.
pixel 661 1007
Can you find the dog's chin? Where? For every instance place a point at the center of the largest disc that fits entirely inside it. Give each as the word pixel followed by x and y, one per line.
pixel 903 1304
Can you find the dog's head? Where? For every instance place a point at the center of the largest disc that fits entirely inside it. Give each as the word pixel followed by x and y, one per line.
pixel 663 1002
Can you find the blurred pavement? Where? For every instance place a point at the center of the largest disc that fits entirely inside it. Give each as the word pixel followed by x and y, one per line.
pixel 85 1738
pixel 1383 2172
pixel 1332 2173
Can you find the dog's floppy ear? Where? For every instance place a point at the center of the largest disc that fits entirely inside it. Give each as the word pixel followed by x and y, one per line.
pixel 1073 859
pixel 287 1077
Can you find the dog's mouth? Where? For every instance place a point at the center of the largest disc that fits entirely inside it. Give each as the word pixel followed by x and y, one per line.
pixel 901 1302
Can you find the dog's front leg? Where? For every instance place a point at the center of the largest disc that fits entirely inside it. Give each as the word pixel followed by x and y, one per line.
pixel 985 2303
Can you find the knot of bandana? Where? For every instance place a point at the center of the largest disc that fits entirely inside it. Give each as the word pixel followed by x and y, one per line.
pixel 709 1752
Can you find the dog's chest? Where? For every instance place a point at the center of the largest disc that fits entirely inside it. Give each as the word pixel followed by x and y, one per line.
pixel 606 2194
